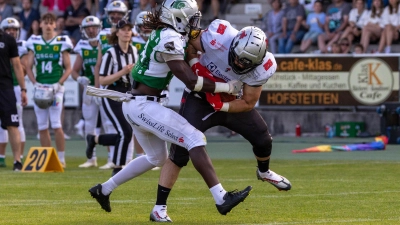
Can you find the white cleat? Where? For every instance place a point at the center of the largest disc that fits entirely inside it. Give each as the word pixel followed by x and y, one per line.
pixel 160 215
pixel 89 163
pixel 107 166
pixel 66 136
pixel 156 168
pixel 278 181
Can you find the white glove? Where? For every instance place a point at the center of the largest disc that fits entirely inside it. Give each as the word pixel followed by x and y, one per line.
pixel 83 80
pixel 57 87
pixel 235 86
pixel 37 84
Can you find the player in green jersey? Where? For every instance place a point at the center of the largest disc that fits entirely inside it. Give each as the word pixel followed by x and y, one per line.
pixel 50 53
pixel 83 73
pixel 141 33
pixel 12 27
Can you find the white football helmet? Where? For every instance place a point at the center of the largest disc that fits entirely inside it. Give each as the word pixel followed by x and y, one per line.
pixel 10 22
pixel 116 6
pixel 182 15
pixel 44 96
pixel 247 49
pixel 90 21
pixel 139 25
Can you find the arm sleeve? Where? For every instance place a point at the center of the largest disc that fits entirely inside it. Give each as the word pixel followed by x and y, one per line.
pixel 13 48
pixel 169 57
pixel 106 64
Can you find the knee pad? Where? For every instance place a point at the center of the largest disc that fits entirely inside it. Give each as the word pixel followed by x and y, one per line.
pixel 263 147
pixel 158 160
pixel 178 155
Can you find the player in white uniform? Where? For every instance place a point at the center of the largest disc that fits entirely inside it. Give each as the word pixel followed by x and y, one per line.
pixel 13 28
pixel 115 11
pixel 227 54
pixel 83 73
pixel 50 53
pixel 154 124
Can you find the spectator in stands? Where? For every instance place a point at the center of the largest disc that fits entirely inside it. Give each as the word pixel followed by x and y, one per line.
pixel 357 18
pixel 292 30
pixel 391 21
pixel 315 24
pixel 345 46
pixel 73 17
pixel 336 48
pixel 144 5
pixel 337 16
pixel 28 15
pixel 358 49
pixel 60 26
pixel 214 7
pixel 56 6
pixel 272 25
pixel 93 6
pixel 373 25
pixel 6 10
pixel 34 29
pixel 308 5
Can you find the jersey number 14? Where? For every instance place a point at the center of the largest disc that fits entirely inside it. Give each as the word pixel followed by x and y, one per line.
pixel 47 67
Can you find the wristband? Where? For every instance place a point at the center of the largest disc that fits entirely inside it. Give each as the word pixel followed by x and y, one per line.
pixel 199 84
pixel 221 87
pixel 193 61
pixel 23 89
pixel 225 107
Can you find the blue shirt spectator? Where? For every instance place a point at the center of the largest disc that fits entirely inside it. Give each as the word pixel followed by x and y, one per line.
pixel 28 14
pixel 312 21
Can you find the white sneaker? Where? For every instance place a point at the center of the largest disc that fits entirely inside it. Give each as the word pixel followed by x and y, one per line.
pixel 66 137
pixel 156 168
pixel 275 179
pixel 63 164
pixel 38 136
pixel 107 166
pixel 79 128
pixel 160 215
pixel 89 163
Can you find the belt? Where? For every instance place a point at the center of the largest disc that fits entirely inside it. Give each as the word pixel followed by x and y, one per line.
pixel 148 98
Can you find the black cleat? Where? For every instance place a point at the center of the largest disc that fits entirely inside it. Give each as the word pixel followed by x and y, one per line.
pixel 17 166
pixel 232 199
pixel 103 200
pixel 90 145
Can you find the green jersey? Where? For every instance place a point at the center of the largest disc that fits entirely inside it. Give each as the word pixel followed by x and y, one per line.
pixel 103 40
pixel 151 69
pixel 22 50
pixel 89 57
pixel 48 57
pixel 139 43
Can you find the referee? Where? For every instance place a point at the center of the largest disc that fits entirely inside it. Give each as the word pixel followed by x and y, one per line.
pixel 8 102
pixel 115 69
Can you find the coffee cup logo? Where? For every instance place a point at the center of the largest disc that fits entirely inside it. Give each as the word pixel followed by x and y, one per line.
pixel 371 81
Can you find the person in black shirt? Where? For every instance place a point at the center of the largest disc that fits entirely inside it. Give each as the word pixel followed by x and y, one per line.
pixel 8 107
pixel 73 16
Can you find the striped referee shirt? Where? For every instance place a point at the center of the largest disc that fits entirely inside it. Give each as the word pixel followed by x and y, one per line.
pixel 115 60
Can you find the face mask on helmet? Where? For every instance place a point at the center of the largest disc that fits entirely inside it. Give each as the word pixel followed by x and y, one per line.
pixel 11 26
pixel 247 50
pixel 115 12
pixel 139 27
pixel 91 27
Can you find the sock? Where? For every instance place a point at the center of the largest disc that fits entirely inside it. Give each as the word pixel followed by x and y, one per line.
pixel 218 192
pixel 162 195
pixel 94 153
pixel 109 159
pixel 112 148
pixel 158 208
pixel 2 156
pixel 61 156
pixel 133 169
pixel 108 186
pixel 387 49
pixel 263 166
pixel 21 157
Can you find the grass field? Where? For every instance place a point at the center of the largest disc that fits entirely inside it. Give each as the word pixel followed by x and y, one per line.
pixel 328 188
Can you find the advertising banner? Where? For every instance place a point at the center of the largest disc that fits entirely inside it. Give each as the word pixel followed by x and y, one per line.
pixel 333 81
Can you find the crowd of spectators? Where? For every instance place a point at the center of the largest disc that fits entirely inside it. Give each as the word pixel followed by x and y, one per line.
pixel 333 27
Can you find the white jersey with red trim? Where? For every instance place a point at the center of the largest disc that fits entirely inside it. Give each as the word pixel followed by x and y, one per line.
pixel 216 40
